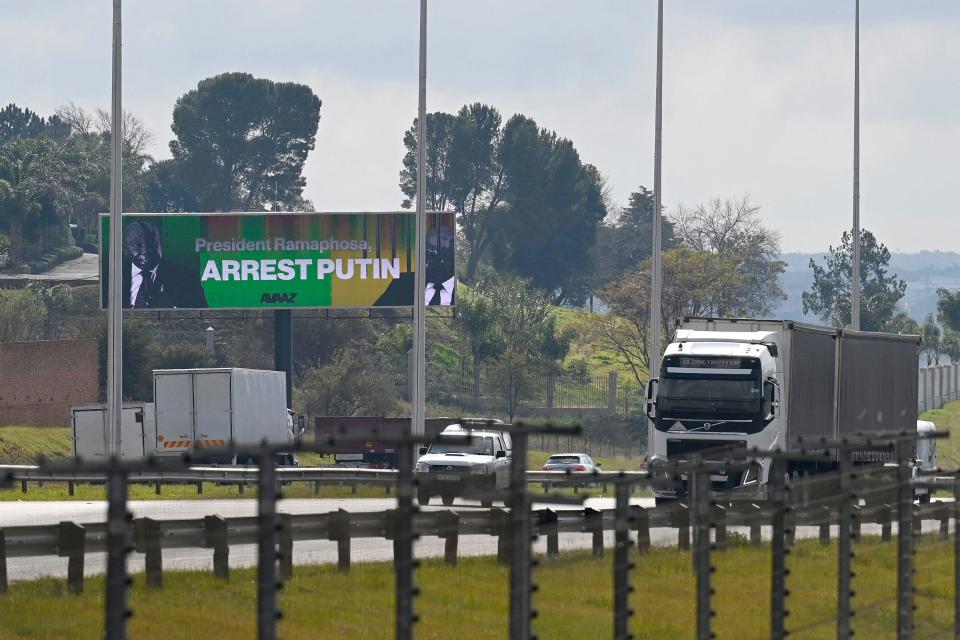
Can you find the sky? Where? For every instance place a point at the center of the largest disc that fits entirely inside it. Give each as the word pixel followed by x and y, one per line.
pixel 758 94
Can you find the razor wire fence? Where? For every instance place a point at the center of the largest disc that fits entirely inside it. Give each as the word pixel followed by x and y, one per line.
pixel 837 507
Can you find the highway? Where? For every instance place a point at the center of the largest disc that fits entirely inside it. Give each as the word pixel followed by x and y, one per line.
pixel 305 552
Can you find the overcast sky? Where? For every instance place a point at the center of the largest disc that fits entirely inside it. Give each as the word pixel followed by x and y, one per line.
pixel 758 94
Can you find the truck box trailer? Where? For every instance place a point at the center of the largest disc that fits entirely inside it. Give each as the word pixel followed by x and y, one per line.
pixel 92 437
pixel 769 383
pixel 218 407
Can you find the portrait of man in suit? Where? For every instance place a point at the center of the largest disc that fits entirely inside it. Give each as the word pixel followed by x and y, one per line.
pixel 149 281
pixel 441 280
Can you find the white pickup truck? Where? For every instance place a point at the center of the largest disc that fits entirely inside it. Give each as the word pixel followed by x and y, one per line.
pixel 478 469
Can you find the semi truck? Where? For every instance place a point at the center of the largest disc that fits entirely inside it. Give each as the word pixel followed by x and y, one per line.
pixel 745 383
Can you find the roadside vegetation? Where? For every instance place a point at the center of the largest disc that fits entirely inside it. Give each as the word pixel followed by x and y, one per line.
pixel 574 600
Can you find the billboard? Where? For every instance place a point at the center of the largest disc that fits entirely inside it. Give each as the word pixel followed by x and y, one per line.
pixel 278 260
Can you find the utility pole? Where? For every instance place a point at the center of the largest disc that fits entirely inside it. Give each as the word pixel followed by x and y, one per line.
pixel 855 241
pixel 115 298
pixel 419 303
pixel 656 286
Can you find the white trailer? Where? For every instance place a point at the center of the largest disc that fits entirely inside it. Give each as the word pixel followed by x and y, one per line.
pixel 91 436
pixel 218 407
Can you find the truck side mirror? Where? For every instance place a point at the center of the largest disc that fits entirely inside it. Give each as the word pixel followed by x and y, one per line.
pixel 423 451
pixel 501 453
pixel 651 395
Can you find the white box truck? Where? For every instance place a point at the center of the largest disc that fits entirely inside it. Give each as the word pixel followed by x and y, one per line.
pixel 92 439
pixel 218 407
pixel 765 384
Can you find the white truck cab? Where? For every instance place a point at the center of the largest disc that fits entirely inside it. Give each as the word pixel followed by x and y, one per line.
pixel 479 468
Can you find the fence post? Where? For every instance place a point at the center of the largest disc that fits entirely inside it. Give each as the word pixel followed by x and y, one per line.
pixel 521 564
pixel 701 507
pixel 71 544
pixel 547 525
pixel 148 542
pixel 622 563
pixel 641 520
pixel 215 537
pixel 904 543
pixel 844 547
pixel 778 549
pixel 498 527
pixel 448 524
pixel 338 529
pixel 267 495
pixel 681 520
pixel 612 391
pixel 403 540
pixel 286 546
pixel 118 546
pixel 593 522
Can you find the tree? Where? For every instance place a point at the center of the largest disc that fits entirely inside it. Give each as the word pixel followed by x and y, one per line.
pixel 694 283
pixel 732 229
pixel 625 239
pixel 475 323
pixel 503 182
pixel 463 173
pixel 931 341
pixel 351 384
pixel 24 124
pixel 829 296
pixel 185 356
pixel 948 308
pixel 140 356
pixel 21 316
pixel 242 141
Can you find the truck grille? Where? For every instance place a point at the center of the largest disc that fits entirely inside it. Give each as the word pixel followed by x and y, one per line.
pixel 681 449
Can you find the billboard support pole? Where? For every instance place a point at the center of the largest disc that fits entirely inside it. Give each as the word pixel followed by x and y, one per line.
pixel 283 348
pixel 419 302
pixel 115 300
pixel 656 286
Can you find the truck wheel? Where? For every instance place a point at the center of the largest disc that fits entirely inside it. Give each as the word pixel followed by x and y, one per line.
pixel 486 504
pixel 447 500
pixel 663 501
pixel 423 497
pixel 924 498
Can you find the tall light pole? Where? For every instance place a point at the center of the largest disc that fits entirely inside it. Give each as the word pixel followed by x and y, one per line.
pixel 115 300
pixel 855 241
pixel 419 386
pixel 656 286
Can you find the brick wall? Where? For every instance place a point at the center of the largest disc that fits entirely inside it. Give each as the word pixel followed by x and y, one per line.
pixel 40 380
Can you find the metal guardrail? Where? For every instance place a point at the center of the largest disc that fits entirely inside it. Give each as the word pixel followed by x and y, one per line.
pixel 249 475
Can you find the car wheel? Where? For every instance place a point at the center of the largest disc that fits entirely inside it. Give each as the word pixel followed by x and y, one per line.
pixel 423 497
pixel 924 498
pixel 447 500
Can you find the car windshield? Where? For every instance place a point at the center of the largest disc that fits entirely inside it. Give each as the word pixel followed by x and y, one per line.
pixel 482 446
pixel 564 460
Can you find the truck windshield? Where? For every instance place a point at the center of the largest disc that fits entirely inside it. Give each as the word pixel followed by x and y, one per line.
pixel 710 387
pixel 478 446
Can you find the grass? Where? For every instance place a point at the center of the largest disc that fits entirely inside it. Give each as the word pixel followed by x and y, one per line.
pixel 599 358
pixel 947 419
pixel 26 445
pixel 574 599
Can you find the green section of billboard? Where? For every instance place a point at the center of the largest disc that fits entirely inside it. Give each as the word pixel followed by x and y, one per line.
pixel 288 260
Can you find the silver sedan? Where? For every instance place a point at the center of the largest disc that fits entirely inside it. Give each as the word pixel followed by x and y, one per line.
pixel 571 462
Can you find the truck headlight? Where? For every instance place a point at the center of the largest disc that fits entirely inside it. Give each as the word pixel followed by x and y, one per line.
pixel 421 467
pixel 478 470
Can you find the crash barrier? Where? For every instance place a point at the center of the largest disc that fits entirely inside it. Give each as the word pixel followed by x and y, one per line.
pixel 24 475
pixel 851 495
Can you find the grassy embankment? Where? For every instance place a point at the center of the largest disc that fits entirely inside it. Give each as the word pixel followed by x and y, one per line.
pixel 574 600
pixel 25 445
